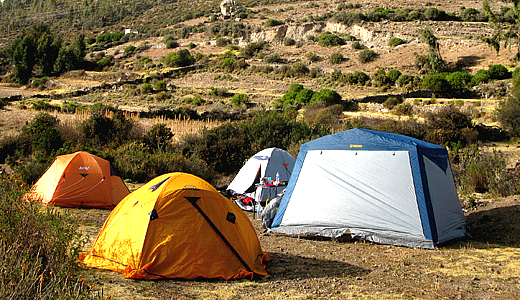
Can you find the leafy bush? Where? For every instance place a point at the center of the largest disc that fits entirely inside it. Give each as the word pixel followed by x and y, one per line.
pixel 327 96
pixel 42 134
pixel 252 49
pixel 508 113
pixel 450 125
pixel 394 75
pixel 436 83
pixel 240 99
pixel 395 41
pixel 357 45
pixel 146 88
pixel 130 49
pixel 272 22
pixel 304 96
pixel 222 42
pixel 273 58
pixel 192 45
pixel 358 77
pixel 160 86
pixel 38 248
pixel 227 147
pixel 367 55
pixel 312 57
pixel 295 87
pixel 498 72
pixel 172 44
pixel 327 39
pixel 483 172
pixel 482 76
pixel 391 102
pixel 141 163
pixel 159 136
pixel 289 42
pixel 180 58
pixel 336 58
pixel 459 80
pixel 435 14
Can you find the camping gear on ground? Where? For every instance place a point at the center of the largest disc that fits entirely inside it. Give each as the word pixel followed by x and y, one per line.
pixel 381 187
pixel 265 164
pixel 79 179
pixel 270 209
pixel 178 226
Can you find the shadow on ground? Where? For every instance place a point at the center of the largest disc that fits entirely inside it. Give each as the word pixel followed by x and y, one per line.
pixel 285 266
pixel 496 226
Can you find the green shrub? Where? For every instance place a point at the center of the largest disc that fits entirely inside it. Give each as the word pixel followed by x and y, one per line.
pixel 240 99
pixel 498 72
pixel 350 38
pixel 459 80
pixel 38 248
pixel 357 45
pixel 336 58
pixel 289 42
pixel 312 57
pixel 327 39
pixel 222 42
pixel 395 41
pixel 482 76
pixel 105 62
pixel 508 113
pixel 172 44
pixel 272 22
pixel 434 14
pixel 192 45
pixel 367 55
pixel 394 75
pixel 42 134
pixel 159 136
pixel 327 96
pixel 225 148
pixel 450 125
pixel 436 83
pixel 404 80
pixel 304 96
pixel 146 88
pixel 273 58
pixel 141 163
pixel 130 49
pixel 483 172
pixel 391 102
pixel 295 87
pixel 180 58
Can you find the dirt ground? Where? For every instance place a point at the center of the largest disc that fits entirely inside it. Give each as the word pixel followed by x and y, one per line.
pixel 487 266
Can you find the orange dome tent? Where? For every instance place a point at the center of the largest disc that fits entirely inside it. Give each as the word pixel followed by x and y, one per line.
pixel 79 179
pixel 178 226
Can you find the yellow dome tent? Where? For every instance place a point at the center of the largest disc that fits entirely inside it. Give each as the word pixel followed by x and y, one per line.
pixel 178 226
pixel 79 179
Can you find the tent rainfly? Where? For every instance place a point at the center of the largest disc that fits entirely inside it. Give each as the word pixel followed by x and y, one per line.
pixel 79 179
pixel 178 226
pixel 265 163
pixel 381 187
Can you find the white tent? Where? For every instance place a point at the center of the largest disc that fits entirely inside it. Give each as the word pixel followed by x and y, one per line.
pixel 382 187
pixel 265 163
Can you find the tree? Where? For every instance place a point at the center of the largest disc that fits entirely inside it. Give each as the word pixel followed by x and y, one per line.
pixel 48 49
pixel 508 113
pixel 24 57
pixel 503 32
pixel 433 62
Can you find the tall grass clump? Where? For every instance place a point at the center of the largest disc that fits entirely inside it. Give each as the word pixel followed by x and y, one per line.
pixel 38 247
pixel 484 172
